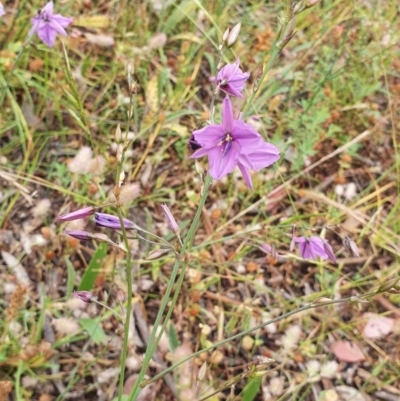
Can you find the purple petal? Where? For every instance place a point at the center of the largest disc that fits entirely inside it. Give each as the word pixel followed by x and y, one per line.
pixel 209 137
pixel 220 164
pixel 57 27
pixel 48 9
pixel 227 115
pixel 200 153
pixel 248 138
pixel 317 246
pixel 246 175
pixel 266 155
pixel 47 35
pixel 240 79
pixel 61 20
pixel 231 90
pixel 329 251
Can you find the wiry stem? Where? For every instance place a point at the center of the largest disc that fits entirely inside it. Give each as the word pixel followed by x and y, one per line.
pixel 180 262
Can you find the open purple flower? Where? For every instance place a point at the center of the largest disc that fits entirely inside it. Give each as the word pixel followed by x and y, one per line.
pixel 231 79
pixel 233 143
pixel 314 247
pixel 111 221
pixel 2 12
pixel 47 25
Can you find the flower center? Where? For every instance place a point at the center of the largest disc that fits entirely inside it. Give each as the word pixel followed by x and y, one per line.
pixel 226 144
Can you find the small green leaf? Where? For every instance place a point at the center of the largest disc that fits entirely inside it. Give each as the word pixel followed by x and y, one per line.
pixel 93 327
pixel 93 269
pixel 252 389
pixel 173 337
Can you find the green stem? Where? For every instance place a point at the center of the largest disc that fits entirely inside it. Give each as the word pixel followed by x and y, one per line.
pixel 180 262
pixel 128 269
pixel 249 331
pixel 271 61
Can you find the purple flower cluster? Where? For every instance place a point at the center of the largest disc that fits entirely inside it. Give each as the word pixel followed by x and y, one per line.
pixel 232 143
pixel 47 25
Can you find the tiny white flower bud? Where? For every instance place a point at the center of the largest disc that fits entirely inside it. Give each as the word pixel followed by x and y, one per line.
pixel 225 35
pixel 233 35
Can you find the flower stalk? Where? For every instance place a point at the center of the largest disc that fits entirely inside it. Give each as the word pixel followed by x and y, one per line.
pixel 181 262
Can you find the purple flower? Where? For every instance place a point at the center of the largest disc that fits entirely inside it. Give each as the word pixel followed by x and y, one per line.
pixel 231 79
pixel 314 247
pixel 2 12
pixel 77 214
pixel 47 25
pixel 111 221
pixel 233 143
pixel 79 234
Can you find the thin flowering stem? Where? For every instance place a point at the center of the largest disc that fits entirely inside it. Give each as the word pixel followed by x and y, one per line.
pixel 181 262
pixel 273 57
pixel 216 88
pixel 123 320
pixel 128 268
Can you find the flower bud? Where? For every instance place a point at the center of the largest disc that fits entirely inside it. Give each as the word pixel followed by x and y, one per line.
pixel 351 246
pixel 84 296
pixel 111 221
pixel 118 134
pixel 170 219
pixel 225 35
pixel 79 234
pixel 202 372
pixel 77 214
pixel 312 3
pixel 157 254
pixel 233 35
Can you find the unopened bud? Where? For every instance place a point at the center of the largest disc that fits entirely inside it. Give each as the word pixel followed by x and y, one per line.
pixel 170 219
pixel 77 214
pixel 288 34
pixel 157 254
pixel 84 296
pixel 120 296
pixel 132 88
pixel 388 285
pixel 202 372
pixel 225 35
pixel 269 249
pixel 130 69
pixel 351 246
pixel 233 35
pixel 79 234
pixel 121 178
pixel 118 134
pixel 312 3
